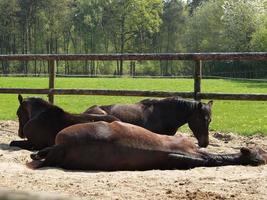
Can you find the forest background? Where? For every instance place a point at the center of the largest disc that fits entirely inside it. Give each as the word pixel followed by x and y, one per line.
pixel 133 26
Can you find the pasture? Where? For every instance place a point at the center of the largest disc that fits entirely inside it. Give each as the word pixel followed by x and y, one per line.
pixel 242 117
pixel 229 182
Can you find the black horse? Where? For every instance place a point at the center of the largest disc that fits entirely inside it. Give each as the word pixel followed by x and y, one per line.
pixel 40 121
pixel 163 116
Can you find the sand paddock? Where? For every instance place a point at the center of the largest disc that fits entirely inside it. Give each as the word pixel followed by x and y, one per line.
pixel 230 182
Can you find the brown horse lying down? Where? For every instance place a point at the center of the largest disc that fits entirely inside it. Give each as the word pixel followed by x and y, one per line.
pixel 40 121
pixel 123 146
pixel 163 116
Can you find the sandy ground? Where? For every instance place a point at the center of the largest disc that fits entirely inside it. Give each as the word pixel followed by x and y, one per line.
pixel 230 182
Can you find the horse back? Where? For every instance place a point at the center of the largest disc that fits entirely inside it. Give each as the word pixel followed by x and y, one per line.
pixel 129 113
pixel 120 133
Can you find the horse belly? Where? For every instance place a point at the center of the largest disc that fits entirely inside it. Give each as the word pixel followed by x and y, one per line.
pixel 110 157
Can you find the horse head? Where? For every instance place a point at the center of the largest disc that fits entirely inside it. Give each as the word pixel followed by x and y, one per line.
pixel 23 114
pixel 199 122
pixel 28 108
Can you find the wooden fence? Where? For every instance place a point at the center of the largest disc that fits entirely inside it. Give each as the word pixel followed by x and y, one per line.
pixel 197 57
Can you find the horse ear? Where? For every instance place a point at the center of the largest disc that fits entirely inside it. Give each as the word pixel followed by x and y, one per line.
pixel 210 103
pixel 20 98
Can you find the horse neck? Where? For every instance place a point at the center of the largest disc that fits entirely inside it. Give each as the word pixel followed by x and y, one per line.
pixel 77 118
pixel 183 112
pixel 36 111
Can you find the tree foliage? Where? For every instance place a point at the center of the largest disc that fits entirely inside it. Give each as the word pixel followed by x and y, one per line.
pixel 125 26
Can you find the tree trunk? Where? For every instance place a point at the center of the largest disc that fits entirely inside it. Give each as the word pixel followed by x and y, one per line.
pixel 1 51
pixel 134 64
pixel 92 68
pixel 35 46
pixel 122 41
pixel 118 68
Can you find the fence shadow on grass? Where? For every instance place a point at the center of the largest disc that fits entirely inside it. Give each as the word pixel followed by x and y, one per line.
pixel 252 83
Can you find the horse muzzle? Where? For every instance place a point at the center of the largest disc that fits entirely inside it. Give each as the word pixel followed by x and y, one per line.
pixel 203 144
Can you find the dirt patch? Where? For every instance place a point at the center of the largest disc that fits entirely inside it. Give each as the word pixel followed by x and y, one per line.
pixel 230 182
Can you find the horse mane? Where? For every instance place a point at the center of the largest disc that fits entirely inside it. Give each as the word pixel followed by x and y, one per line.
pixel 191 104
pixel 39 102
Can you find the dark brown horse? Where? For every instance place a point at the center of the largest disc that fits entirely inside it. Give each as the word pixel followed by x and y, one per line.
pixel 40 121
pixel 163 116
pixel 123 146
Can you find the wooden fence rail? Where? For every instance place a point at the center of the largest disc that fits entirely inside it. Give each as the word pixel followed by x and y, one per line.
pixel 137 56
pixel 197 57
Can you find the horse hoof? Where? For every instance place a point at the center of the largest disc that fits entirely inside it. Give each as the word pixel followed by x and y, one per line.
pixel 245 151
pixel 251 157
pixel 34 156
pixel 35 164
pixel 12 144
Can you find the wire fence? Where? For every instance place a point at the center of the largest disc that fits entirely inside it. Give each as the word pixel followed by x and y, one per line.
pixel 129 76
pixel 197 74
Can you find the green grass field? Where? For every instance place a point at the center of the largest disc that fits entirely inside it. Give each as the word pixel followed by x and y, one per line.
pixel 243 117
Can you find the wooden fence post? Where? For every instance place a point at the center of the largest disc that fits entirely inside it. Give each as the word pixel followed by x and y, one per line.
pixel 52 75
pixel 197 79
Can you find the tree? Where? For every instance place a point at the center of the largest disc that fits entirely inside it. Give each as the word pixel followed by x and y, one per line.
pixel 239 24
pixel 128 19
pixel 259 40
pixel 88 28
pixel 8 31
pixel 259 37
pixel 193 4
pixel 173 26
pixel 204 28
pixel 54 17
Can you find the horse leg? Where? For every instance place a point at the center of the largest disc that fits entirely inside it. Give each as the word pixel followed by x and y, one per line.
pixel 23 144
pixel 41 154
pixel 204 159
pixel 245 157
pixel 50 156
pixel 183 161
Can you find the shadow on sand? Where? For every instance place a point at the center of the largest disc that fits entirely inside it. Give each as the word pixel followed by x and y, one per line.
pixel 6 147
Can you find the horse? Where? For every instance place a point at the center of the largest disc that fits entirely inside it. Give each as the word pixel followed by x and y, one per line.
pixel 163 116
pixel 121 146
pixel 40 121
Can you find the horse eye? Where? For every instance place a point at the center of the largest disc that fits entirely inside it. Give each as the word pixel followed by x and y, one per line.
pixel 207 119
